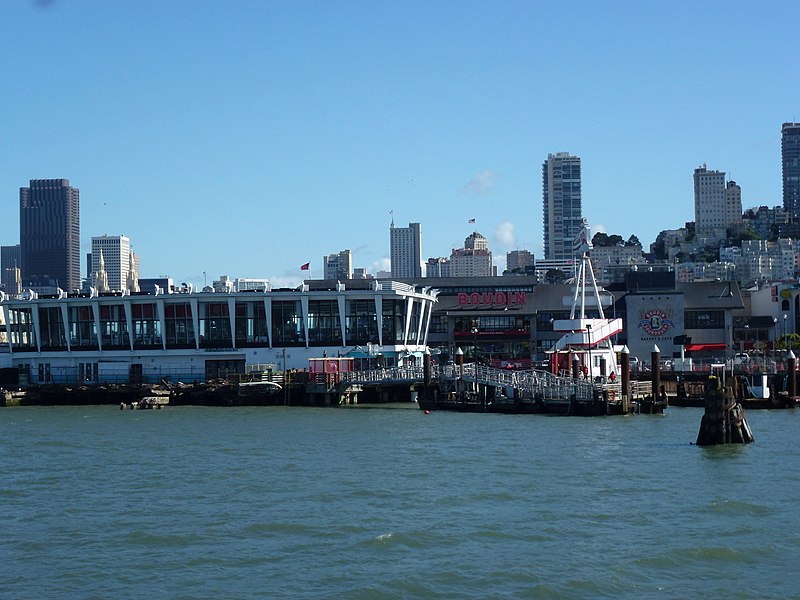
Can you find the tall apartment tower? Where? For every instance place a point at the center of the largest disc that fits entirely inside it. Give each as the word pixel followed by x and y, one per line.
pixel 405 250
pixel 717 205
pixel 339 266
pixel 116 251
pixel 9 262
pixel 790 160
pixel 733 203
pixel 563 219
pixel 50 235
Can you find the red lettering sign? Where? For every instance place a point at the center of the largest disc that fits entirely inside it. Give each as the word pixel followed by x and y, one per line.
pixel 491 298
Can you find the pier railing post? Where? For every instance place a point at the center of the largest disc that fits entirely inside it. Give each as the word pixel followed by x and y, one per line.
pixel 625 378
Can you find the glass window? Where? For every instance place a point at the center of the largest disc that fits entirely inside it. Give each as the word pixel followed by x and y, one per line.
pixel 251 324
pixel 215 325
pixel 51 328
pixel 113 327
pixel 179 325
pixel 146 326
pixel 287 323
pixel 323 323
pixel 361 322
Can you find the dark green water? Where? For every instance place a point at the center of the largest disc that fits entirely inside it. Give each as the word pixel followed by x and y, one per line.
pixel 357 503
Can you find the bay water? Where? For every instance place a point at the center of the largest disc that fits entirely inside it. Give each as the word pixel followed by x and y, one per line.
pixel 193 502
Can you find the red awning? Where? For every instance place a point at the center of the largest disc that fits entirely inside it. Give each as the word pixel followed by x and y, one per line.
pixel 700 347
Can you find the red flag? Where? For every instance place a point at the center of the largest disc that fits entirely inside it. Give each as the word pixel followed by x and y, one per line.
pixel 305 267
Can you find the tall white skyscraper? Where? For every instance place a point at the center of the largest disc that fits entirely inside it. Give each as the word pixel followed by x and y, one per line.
pixel 116 251
pixel 717 205
pixel 405 250
pixel 562 210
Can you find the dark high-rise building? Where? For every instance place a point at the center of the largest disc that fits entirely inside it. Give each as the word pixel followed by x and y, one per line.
pixel 563 215
pixel 50 235
pixel 790 159
pixel 9 261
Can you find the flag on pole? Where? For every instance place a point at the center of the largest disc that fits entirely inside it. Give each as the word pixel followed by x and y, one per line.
pixel 471 221
pixel 305 267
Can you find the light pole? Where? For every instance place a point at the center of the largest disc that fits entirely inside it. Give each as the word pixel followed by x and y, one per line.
pixel 746 333
pixel 475 344
pixel 785 341
pixel 774 335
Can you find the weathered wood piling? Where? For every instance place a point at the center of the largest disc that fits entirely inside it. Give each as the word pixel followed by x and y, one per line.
pixel 724 421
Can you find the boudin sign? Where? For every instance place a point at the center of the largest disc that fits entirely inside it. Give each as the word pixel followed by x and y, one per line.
pixel 491 299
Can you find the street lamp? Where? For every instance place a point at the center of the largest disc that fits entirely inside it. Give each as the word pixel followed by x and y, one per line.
pixel 785 316
pixel 475 344
pixel 746 333
pixel 774 335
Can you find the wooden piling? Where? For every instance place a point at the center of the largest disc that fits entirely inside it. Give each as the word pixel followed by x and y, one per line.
pixel 655 362
pixel 625 379
pixel 724 420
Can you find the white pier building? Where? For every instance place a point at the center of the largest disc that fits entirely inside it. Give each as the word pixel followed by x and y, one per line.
pixel 191 336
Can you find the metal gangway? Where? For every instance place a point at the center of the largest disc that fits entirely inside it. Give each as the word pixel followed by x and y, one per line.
pixel 532 383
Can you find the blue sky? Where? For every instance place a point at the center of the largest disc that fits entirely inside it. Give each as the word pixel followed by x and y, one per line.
pixel 247 138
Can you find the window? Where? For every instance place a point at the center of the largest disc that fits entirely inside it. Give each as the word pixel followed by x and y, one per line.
pixel 251 324
pixel 287 323
pixel 179 325
pixel 146 326
pixel 704 319
pixel 361 322
pixel 215 325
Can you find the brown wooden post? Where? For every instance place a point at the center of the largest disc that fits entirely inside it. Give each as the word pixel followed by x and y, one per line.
pixel 626 378
pixel 791 373
pixel 655 362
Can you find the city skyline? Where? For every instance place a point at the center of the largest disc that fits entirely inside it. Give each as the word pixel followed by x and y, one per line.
pixel 275 139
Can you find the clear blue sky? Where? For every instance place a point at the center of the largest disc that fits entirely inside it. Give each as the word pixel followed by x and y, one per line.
pixel 248 137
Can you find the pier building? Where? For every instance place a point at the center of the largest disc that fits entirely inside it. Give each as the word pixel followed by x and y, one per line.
pixel 124 337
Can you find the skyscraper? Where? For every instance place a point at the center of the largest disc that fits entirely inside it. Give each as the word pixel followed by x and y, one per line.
pixel 116 252
pixel 9 262
pixel 790 159
pixel 474 260
pixel 339 266
pixel 49 235
pixel 563 218
pixel 717 204
pixel 405 250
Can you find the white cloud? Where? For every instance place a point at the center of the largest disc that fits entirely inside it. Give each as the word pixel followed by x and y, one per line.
pixel 481 183
pixel 382 264
pixel 504 235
